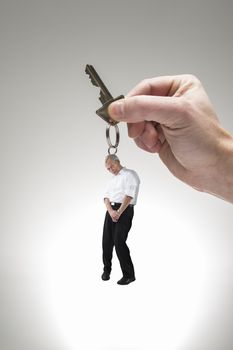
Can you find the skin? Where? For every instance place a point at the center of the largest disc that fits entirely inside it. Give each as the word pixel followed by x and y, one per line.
pixel 173 116
pixel 114 167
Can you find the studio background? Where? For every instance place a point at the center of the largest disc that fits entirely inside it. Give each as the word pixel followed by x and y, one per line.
pixel 52 147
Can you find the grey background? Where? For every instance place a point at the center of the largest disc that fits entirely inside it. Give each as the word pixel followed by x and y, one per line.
pixel 52 179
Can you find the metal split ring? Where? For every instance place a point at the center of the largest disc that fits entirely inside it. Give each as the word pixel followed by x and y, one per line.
pixel 111 146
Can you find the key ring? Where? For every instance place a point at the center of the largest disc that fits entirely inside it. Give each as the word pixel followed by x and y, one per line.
pixel 112 147
pixel 109 139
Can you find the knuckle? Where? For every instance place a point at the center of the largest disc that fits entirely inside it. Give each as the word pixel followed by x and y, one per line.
pixel 145 84
pixel 145 81
pixel 184 107
pixel 192 78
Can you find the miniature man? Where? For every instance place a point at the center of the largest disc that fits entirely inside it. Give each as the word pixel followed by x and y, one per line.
pixel 120 198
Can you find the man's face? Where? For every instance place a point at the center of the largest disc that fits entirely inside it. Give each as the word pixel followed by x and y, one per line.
pixel 113 166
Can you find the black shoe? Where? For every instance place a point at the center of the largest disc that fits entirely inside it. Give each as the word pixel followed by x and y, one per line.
pixel 126 280
pixel 105 276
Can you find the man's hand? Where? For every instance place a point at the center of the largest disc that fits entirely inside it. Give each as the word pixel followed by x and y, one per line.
pixel 114 215
pixel 173 116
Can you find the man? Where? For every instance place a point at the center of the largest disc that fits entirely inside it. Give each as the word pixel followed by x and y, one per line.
pixel 120 197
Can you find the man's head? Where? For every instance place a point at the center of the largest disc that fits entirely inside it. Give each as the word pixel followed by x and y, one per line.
pixel 112 164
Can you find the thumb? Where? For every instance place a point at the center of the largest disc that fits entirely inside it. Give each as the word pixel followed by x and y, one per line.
pixel 161 109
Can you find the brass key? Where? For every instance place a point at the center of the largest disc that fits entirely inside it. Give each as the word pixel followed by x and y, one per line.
pixel 105 96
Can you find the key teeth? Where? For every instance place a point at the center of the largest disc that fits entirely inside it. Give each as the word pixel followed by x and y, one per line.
pixel 87 71
pixel 102 98
pixel 92 80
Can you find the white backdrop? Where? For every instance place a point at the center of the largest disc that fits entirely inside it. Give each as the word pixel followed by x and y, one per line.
pixel 52 180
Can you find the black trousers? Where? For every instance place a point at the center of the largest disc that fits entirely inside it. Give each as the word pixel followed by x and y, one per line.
pixel 115 234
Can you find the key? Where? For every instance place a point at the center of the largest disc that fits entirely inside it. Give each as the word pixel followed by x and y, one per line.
pixel 105 97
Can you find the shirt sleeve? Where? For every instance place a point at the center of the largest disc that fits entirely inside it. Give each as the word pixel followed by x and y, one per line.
pixel 132 185
pixel 106 192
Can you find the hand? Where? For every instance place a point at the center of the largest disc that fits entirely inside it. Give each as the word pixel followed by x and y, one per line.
pixel 173 116
pixel 114 215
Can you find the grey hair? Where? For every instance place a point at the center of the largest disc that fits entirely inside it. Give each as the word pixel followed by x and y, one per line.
pixel 112 157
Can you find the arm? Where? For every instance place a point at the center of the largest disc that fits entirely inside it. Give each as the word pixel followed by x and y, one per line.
pixel 124 205
pixel 108 205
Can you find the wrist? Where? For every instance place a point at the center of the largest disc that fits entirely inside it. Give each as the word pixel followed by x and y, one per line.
pixel 222 186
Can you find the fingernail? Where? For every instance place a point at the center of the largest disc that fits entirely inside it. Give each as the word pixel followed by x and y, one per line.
pixel 116 109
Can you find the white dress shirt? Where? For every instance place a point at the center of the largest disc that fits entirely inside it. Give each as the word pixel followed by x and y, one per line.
pixel 125 183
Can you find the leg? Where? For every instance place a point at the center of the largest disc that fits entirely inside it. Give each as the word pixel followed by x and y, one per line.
pixel 121 231
pixel 107 243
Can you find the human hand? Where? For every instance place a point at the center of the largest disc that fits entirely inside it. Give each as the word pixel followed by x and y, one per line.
pixel 173 116
pixel 114 215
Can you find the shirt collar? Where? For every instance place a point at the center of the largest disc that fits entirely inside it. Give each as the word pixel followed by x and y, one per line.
pixel 122 170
